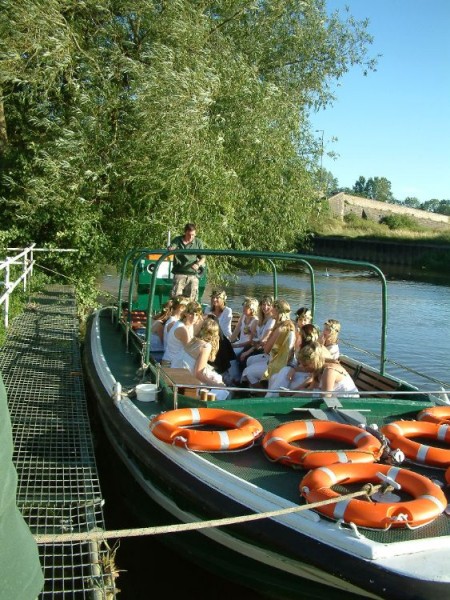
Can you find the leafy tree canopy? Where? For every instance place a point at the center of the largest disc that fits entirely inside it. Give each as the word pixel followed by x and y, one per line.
pixel 437 206
pixel 375 188
pixel 121 119
pixel 412 202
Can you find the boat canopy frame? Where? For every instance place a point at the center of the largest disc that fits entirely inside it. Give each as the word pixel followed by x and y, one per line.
pixel 137 254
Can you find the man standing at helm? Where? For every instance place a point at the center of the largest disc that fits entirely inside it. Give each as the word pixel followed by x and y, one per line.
pixel 186 267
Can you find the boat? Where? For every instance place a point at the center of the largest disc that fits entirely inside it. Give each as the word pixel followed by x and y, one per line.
pixel 295 496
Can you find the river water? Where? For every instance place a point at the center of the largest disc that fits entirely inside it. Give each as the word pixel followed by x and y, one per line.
pixel 418 337
pixel 418 325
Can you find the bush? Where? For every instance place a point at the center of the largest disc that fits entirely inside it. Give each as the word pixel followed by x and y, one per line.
pixel 353 219
pixel 399 222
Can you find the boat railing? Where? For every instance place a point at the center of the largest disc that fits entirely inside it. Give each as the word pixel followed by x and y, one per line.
pixel 345 343
pixel 272 258
pixel 436 396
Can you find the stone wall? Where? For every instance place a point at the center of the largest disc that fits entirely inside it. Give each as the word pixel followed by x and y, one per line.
pixel 415 255
pixel 342 204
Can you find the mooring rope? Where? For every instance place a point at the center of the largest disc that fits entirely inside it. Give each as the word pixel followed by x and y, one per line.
pixel 100 535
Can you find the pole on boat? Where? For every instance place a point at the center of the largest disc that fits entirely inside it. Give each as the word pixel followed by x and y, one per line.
pixel 168 239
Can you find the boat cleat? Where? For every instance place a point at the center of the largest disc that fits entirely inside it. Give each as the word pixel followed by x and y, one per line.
pixel 385 494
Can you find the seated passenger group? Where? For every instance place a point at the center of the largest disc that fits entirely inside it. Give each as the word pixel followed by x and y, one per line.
pixel 265 349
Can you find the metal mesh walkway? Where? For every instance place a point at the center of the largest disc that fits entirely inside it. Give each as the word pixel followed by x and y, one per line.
pixel 58 488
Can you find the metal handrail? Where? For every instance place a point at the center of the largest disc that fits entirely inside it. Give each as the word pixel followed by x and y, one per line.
pixel 270 257
pixel 26 260
pixel 25 257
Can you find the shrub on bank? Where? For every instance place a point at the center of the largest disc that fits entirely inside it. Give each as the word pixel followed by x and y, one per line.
pixel 401 222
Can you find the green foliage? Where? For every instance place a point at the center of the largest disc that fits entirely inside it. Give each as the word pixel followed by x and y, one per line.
pixel 353 219
pixel 125 119
pixel 441 207
pixel 400 222
pixel 375 188
pixel 412 202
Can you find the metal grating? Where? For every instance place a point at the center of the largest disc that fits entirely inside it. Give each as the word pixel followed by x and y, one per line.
pixel 58 489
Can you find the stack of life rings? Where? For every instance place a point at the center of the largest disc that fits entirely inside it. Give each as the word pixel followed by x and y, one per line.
pixel 432 423
pixel 357 465
pixel 231 430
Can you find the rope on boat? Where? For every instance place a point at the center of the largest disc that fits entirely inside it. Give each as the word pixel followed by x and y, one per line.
pixel 100 535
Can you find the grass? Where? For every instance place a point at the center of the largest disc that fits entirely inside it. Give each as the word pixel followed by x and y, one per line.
pixel 356 227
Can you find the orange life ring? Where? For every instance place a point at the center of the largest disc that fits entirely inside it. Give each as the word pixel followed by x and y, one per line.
pixel 428 502
pixel 437 414
pixel 277 444
pixel 171 427
pixel 399 432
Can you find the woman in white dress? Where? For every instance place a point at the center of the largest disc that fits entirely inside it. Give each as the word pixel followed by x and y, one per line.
pixel 326 375
pixel 195 355
pixel 221 311
pixel 179 304
pixel 245 328
pixel 182 332
pixel 278 349
pixel 157 334
pixel 243 335
pixel 266 323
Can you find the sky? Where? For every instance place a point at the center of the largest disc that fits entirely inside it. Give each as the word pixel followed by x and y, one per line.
pixel 395 122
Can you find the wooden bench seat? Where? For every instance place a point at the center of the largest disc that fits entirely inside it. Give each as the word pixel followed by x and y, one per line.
pixel 181 378
pixel 234 320
pixel 368 379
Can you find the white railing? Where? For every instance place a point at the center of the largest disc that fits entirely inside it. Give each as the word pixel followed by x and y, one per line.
pixel 26 260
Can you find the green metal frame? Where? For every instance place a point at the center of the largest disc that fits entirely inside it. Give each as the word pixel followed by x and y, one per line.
pixel 137 254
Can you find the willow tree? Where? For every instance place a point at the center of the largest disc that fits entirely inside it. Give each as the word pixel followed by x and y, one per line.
pixel 125 119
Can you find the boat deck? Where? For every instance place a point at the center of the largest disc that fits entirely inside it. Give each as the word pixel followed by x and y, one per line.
pixel 58 487
pixel 252 464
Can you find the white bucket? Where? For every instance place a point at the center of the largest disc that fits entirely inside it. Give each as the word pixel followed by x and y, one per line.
pixel 147 392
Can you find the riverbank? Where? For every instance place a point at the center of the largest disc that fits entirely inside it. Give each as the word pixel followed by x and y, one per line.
pixel 412 260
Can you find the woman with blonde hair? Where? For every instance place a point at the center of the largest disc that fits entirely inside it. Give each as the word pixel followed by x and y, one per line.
pixel 280 345
pixel 303 316
pixel 246 326
pixel 294 374
pixel 157 334
pixel 278 348
pixel 326 374
pixel 330 337
pixel 203 347
pixel 264 328
pixel 179 304
pixel 243 335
